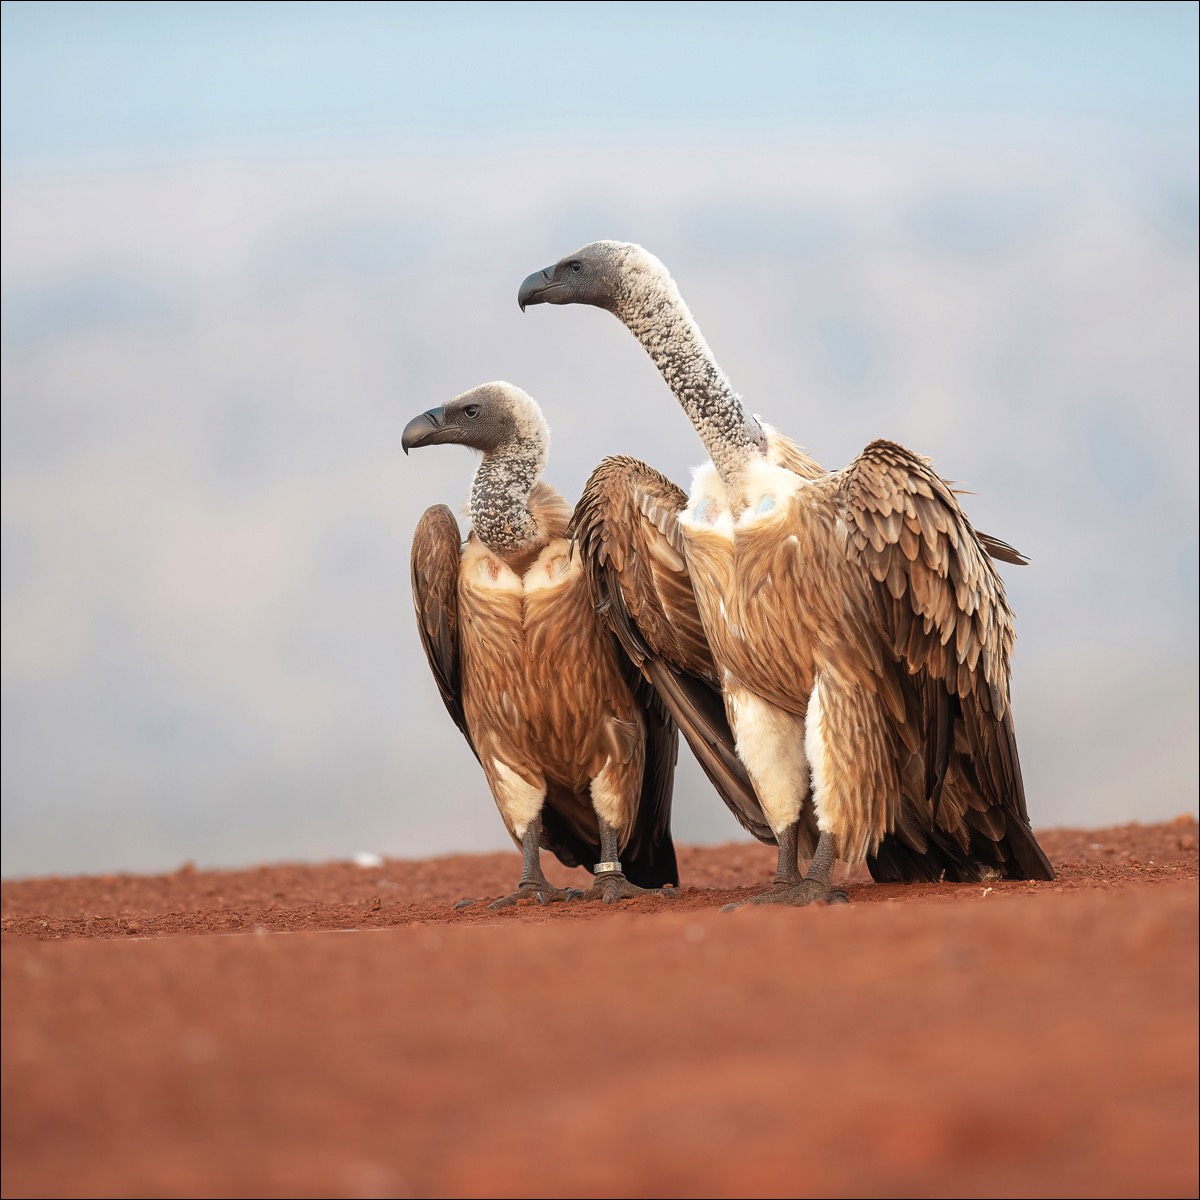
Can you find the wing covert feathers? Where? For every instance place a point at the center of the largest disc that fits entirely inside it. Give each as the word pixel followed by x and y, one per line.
pixel 942 609
pixel 940 599
pixel 626 533
pixel 436 553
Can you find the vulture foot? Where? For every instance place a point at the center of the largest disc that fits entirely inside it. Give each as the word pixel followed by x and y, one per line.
pixel 612 886
pixel 797 894
pixel 541 891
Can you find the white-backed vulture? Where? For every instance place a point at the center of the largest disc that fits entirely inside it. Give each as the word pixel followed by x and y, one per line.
pixel 578 751
pixel 858 624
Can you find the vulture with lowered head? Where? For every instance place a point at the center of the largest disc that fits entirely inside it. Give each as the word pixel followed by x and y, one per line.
pixel 577 749
pixel 858 625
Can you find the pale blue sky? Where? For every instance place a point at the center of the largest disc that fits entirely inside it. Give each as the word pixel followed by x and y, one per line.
pixel 137 79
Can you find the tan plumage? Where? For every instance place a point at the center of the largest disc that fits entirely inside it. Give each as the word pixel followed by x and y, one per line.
pixel 627 532
pixel 854 619
pixel 567 732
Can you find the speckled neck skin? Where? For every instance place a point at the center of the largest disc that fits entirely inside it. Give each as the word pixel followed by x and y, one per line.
pixel 499 506
pixel 652 309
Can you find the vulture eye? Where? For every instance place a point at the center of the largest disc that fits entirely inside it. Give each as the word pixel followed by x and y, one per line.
pixel 576 266
pixel 472 411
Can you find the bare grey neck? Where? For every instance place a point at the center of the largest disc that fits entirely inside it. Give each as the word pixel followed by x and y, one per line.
pixel 654 312
pixel 499 505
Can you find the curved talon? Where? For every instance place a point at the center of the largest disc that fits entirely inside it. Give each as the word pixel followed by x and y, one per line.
pixel 732 907
pixel 465 903
pixel 542 892
pixel 612 886
pixel 800 894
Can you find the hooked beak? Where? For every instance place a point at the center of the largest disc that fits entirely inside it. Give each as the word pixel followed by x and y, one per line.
pixel 423 430
pixel 534 288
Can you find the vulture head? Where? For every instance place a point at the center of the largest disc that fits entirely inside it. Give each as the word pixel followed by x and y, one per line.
pixel 489 418
pixel 608 275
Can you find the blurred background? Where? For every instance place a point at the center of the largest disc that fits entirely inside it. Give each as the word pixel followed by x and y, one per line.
pixel 243 243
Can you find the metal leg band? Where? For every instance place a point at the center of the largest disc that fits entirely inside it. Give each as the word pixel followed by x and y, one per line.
pixel 607 868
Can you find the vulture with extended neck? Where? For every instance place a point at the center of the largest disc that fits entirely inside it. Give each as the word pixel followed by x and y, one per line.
pixel 859 629
pixel 577 749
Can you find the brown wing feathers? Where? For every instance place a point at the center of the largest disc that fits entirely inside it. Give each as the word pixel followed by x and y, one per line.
pixel 625 530
pixel 625 521
pixel 943 602
pixel 436 551
pixel 943 610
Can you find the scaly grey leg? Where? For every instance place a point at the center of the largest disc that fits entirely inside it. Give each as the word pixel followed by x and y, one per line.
pixel 611 884
pixel 533 885
pixel 789 887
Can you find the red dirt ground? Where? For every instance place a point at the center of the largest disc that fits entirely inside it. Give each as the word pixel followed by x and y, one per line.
pixel 943 1040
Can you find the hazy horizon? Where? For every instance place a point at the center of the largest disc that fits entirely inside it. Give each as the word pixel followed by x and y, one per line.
pixel 242 246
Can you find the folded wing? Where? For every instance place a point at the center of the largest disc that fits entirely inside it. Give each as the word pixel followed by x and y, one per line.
pixel 625 529
pixel 436 553
pixel 942 611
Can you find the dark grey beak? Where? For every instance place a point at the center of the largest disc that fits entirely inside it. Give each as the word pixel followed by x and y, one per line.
pixel 533 290
pixel 423 430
